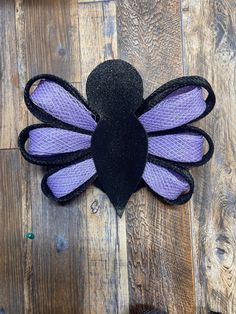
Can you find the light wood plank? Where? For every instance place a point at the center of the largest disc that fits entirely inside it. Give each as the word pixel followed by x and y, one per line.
pixel 108 281
pixel 98 35
pixel 107 256
pixel 12 114
pixel 209 49
pixel 159 238
pixel 150 39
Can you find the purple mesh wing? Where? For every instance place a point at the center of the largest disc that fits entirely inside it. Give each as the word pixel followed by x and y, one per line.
pixel 55 100
pixel 66 180
pixel 179 108
pixel 182 147
pixel 164 182
pixel 49 141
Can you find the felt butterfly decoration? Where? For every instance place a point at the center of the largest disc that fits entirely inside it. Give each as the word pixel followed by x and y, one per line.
pixel 116 139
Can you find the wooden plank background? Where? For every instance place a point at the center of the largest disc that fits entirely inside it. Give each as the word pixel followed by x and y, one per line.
pixel 83 258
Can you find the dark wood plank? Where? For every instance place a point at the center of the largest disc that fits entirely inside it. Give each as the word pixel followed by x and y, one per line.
pixel 11 236
pixel 12 114
pixel 159 236
pixel 209 37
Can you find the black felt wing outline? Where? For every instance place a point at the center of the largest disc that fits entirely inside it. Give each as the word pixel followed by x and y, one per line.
pixel 183 198
pixel 45 117
pixel 180 167
pixel 166 89
pixel 47 160
pixel 188 129
pixel 47 191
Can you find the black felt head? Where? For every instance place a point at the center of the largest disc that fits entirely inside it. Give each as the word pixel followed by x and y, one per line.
pixel 114 88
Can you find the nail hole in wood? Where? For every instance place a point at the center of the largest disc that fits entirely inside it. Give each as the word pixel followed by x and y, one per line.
pixel 95 207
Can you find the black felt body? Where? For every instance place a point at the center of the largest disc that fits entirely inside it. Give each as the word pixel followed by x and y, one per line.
pixel 119 150
pixel 119 144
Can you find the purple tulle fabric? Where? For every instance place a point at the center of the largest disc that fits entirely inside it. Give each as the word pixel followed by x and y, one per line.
pixel 179 108
pixel 56 101
pixel 49 141
pixel 70 178
pixel 164 182
pixel 182 147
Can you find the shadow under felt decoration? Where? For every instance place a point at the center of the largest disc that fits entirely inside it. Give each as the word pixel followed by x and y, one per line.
pixel 116 139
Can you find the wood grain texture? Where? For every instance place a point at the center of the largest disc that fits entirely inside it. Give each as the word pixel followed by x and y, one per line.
pixel 159 238
pixel 159 256
pixel 51 38
pixel 150 39
pixel 27 245
pixel 92 1
pixel 210 50
pixel 55 262
pixel 59 254
pixel 98 35
pixel 12 114
pixel 11 260
pixel 108 279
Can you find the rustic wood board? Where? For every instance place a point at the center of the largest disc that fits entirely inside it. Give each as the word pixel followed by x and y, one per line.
pixel 98 35
pixel 149 37
pixel 92 1
pixel 11 261
pixel 12 115
pixel 51 38
pixel 209 50
pixel 159 238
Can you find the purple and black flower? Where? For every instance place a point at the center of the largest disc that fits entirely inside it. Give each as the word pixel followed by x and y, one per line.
pixel 63 142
